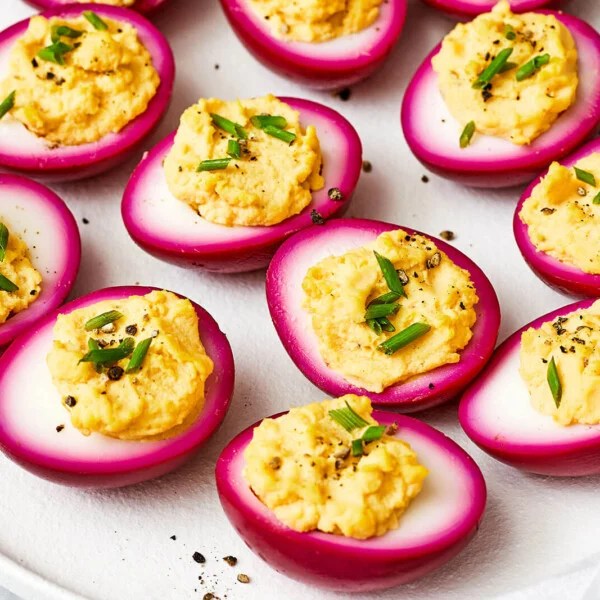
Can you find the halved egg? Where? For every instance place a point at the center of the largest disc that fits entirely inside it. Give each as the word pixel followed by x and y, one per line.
pixel 43 221
pixel 36 432
pixel 438 524
pixel 324 65
pixel 170 229
pixel 471 8
pixel 433 134
pixel 293 323
pixel 561 275
pixel 143 6
pixel 496 413
pixel 21 151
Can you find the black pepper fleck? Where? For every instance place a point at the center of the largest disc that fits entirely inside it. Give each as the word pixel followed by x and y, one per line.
pixel 70 401
pixel 425 179
pixel 85 221
pixel 316 217
pixel 59 428
pixel 447 235
pixel 131 330
pixel 199 558
pixel 367 167
pixel 115 373
pixel 344 94
pixel 243 578
pixel 335 194
pixel 230 560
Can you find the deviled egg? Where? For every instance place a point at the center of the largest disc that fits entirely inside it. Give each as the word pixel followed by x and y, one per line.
pixel 365 307
pixel 535 406
pixel 238 178
pixel 556 223
pixel 40 251
pixel 319 43
pixel 80 87
pixel 503 96
pixel 143 6
pixel 117 387
pixel 340 497
pixel 471 8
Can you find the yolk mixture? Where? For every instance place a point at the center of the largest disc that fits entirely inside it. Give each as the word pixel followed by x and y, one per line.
pixel 339 289
pixel 523 100
pixel 301 466
pixel 16 270
pixel 316 20
pixel 159 398
pixel 106 79
pixel 273 178
pixel 574 344
pixel 563 214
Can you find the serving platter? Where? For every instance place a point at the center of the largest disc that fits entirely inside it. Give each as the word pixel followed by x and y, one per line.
pixel 539 536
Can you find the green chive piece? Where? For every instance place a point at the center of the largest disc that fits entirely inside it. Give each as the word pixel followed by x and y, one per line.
pixel 95 20
pixel 281 134
pixel 532 66
pixel 347 418
pixel 596 199
pixel 406 336
pixel 104 319
pixel 230 127
pixel 377 311
pixel 7 104
pixel 234 149
pixel 467 134
pixel 585 176
pixel 509 66
pixel 373 433
pixel 385 298
pixel 509 32
pixel 59 31
pixel 357 448
pixel 493 68
pixel 375 325
pixel 216 164
pixel 3 241
pixel 55 53
pixel 262 121
pixel 138 356
pixel 104 356
pixel 554 382
pixel 390 274
pixel 93 344
pixel 6 285
pixel 386 325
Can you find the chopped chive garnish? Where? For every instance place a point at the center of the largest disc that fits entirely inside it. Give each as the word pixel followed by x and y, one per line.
pixel 357 448
pixel 386 325
pixel 508 66
pixel 281 134
pixel 554 382
pixel 377 311
pixel 390 274
pixel 596 199
pixel 104 319
pixel 467 134
pixel 347 418
pixel 509 32
pixel 373 433
pixel 405 337
pixel 262 121
pixel 138 356
pixel 93 344
pixel 234 149
pixel 230 127
pixel 7 104
pixel 104 356
pixel 532 66
pixel 59 31
pixel 95 20
pixel 375 325
pixel 385 298
pixel 585 176
pixel 216 164
pixel 493 68
pixel 3 241
pixel 6 285
pixel 55 53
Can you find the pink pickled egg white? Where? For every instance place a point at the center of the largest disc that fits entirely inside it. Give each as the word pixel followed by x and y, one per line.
pixel 170 229
pixel 562 276
pixel 31 409
pixel 293 324
pixel 496 413
pixel 436 526
pixel 472 8
pixel 43 221
pixel 326 65
pixel 433 134
pixel 23 152
pixel 143 6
